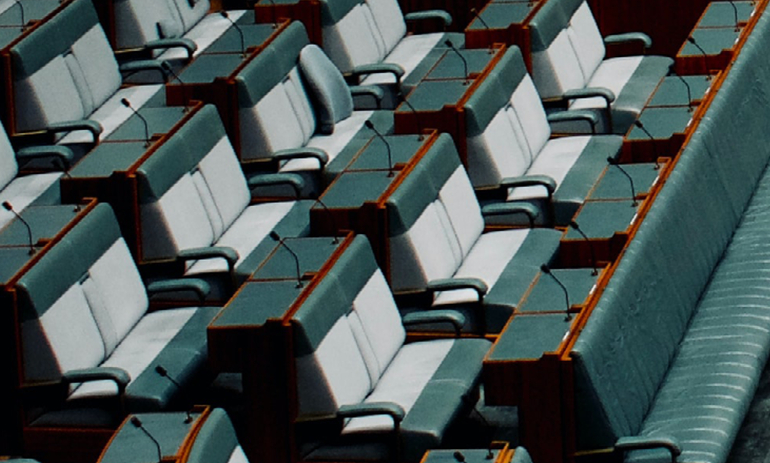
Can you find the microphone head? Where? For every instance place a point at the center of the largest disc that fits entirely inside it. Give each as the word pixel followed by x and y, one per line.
pixel 275 236
pixel 136 421
pixel 611 161
pixel 691 40
pixel 125 102
pixel 574 225
pixel 7 206
pixel 369 124
pixel 638 123
pixel 459 456
pixel 165 65
pixel 473 10
pixel 449 43
pixel 224 14
pixel 545 269
pixel 160 370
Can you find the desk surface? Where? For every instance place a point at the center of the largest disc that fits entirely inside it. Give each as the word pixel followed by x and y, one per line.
pixel 374 156
pixel 451 66
pixel 662 123
pixel 353 188
pixel 207 67
pixel 108 158
pixel 673 92
pixel 256 302
pixel 547 296
pixel 722 14
pixel 614 185
pixel 528 337
pixel 500 15
pixel 44 221
pixel 10 12
pixel 602 219
pixel 159 121
pixel 433 95
pixel 712 39
pixel 253 35
pixel 312 253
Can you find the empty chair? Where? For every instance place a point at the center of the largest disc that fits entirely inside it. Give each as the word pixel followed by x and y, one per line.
pixel 377 396
pixel 436 242
pixel 194 204
pixel 511 155
pixel 85 329
pixel 22 190
pixel 296 109
pixel 369 40
pixel 568 61
pixel 65 77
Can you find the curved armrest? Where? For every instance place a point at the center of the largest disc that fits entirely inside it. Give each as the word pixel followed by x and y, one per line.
pixel 577 115
pixel 449 284
pixel 590 92
pixel 516 207
pixel 196 285
pixel 625 444
pixel 293 180
pixel 181 42
pixel 83 124
pixel 441 15
pixel 629 37
pixel 531 180
pixel 213 252
pixel 304 152
pixel 454 317
pixel 377 93
pixel 62 153
pixel 378 68
pixel 117 375
pixel 131 67
pixel 394 410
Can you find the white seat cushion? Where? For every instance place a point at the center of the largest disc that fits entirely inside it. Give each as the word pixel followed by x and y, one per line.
pixel 612 74
pixel 409 52
pixel 204 33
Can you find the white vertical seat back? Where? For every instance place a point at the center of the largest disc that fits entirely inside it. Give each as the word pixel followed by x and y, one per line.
pixel 586 39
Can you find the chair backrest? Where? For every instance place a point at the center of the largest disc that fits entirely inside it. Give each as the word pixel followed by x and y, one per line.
pixel 506 123
pixel 191 189
pixel 346 333
pixel 63 70
pixel 434 219
pixel 140 21
pixel 80 299
pixel 216 441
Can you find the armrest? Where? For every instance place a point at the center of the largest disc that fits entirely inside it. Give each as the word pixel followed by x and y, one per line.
pixel 117 375
pixel 293 180
pixel 531 180
pixel 441 15
pixel 577 115
pixel 164 44
pixel 516 207
pixel 590 92
pixel 436 316
pixel 395 411
pixel 377 93
pixel 196 285
pixel 449 284
pixel 378 68
pixel 213 252
pixel 62 153
pixel 83 124
pixel 131 67
pixel 625 444
pixel 304 152
pixel 629 37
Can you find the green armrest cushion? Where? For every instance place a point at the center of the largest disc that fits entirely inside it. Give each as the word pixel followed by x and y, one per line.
pixel 590 92
pixel 83 124
pixel 62 153
pixel 577 115
pixel 530 180
pixel 304 152
pixel 181 42
pixel 213 252
pixel 647 442
pixel 505 208
pixel 118 375
pixel 196 285
pixel 391 409
pixel 454 317
pixel 368 90
pixel 379 68
pixel 293 180
pixel 441 15
pixel 130 67
pixel 629 37
pixel 449 284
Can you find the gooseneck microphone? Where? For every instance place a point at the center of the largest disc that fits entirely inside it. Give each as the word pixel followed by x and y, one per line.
pixel 187 97
pixel 574 226
pixel 613 162
pixel 164 373
pixel 672 71
pixel 421 137
pixel 371 127
pixel 127 104
pixel 138 424
pixel 476 15
pixel 735 14
pixel 449 44
pixel 280 242
pixel 8 207
pixel 691 39
pixel 224 14
pixel 21 12
pixel 545 269
pixel 331 219
pixel 641 127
